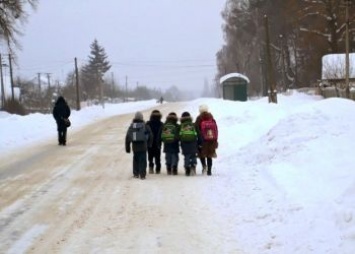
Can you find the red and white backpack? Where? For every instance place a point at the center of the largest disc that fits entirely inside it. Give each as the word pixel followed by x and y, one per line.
pixel 209 130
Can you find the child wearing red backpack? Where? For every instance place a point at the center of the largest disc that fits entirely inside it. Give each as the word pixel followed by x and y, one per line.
pixel 207 130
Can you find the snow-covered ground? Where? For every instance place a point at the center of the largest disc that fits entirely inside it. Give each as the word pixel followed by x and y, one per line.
pixel 284 173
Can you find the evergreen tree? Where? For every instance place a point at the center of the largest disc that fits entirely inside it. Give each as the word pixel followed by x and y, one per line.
pixel 92 73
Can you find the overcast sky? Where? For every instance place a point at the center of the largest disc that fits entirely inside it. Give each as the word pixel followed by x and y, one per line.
pixel 157 43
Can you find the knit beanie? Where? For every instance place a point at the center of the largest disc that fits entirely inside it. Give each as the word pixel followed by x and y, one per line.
pixel 138 116
pixel 172 114
pixel 185 114
pixel 203 108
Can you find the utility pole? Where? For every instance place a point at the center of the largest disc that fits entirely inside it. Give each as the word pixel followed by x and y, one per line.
pixel 11 78
pixel 77 84
pixel 102 93
pixel 113 84
pixel 347 86
pixel 284 81
pixel 49 79
pixel 270 71
pixel 126 88
pixel 2 84
pixel 39 81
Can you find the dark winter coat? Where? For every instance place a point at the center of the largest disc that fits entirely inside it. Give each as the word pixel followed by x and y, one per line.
pixel 60 112
pixel 207 148
pixel 156 126
pixel 188 147
pixel 138 146
pixel 174 146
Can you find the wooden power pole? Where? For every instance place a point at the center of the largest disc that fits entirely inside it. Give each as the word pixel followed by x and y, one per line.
pixel 2 84
pixel 77 85
pixel 347 62
pixel 270 72
pixel 11 78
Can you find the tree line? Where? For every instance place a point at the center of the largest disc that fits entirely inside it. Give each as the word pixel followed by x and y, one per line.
pixel 300 31
pixel 91 82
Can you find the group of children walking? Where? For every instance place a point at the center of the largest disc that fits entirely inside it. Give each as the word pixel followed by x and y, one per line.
pixel 197 139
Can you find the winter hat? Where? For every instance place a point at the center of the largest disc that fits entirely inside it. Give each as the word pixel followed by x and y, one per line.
pixel 155 115
pixel 172 114
pixel 185 114
pixel 203 108
pixel 138 116
pixel 60 100
pixel 155 112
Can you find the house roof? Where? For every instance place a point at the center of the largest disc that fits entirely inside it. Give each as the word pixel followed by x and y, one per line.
pixel 233 75
pixel 333 66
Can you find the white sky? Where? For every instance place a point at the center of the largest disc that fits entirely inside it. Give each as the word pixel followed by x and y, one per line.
pixel 283 181
pixel 157 43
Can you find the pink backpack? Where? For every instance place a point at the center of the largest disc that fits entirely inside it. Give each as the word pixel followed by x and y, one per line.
pixel 209 130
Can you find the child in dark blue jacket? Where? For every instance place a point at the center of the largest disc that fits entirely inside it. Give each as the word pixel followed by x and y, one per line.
pixel 189 143
pixel 170 138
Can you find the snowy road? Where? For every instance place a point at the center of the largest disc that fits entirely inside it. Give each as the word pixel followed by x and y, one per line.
pixel 82 199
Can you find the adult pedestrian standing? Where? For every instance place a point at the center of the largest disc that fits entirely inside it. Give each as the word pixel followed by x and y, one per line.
pixel 141 137
pixel 188 142
pixel 154 152
pixel 61 113
pixel 170 138
pixel 207 130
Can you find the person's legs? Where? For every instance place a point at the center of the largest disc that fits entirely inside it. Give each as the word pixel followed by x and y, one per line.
pixel 59 138
pixel 175 163
pixel 187 164
pixel 157 161
pixel 150 159
pixel 168 161
pixel 135 164
pixel 142 158
pixel 203 163
pixel 193 163
pixel 64 136
pixel 209 166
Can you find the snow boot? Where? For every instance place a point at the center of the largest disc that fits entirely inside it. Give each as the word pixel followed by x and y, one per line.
pixel 175 172
pixel 151 170
pixel 157 170
pixel 168 169
pixel 187 171
pixel 209 171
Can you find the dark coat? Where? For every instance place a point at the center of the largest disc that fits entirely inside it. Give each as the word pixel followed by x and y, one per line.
pixel 60 112
pixel 207 148
pixel 156 126
pixel 174 146
pixel 188 147
pixel 138 146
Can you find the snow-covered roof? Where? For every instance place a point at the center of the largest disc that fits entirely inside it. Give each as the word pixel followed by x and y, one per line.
pixel 333 66
pixel 233 75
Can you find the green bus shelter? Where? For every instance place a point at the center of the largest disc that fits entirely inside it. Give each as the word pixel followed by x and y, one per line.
pixel 234 87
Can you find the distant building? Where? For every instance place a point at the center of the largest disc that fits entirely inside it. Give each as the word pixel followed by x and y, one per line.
pixel 234 86
pixel 333 70
pixel 333 82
